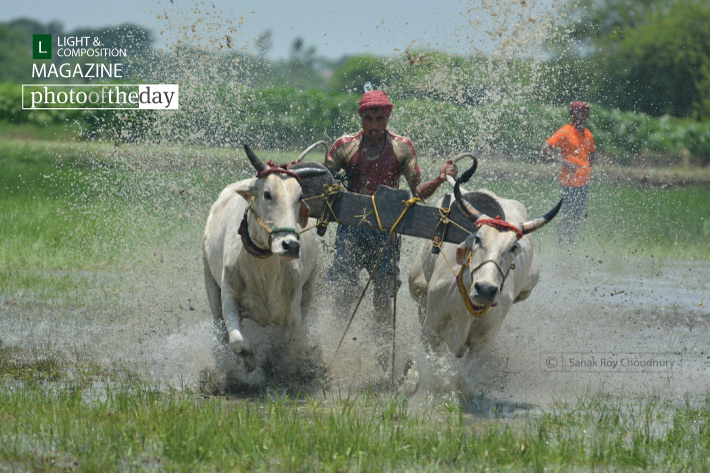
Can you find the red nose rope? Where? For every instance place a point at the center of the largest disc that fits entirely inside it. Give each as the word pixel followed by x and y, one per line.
pixel 499 224
pixel 279 169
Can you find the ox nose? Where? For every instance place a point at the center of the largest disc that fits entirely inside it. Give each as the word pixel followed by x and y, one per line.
pixel 485 292
pixel 291 248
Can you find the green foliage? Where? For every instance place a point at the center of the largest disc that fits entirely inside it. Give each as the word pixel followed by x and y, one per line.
pixel 350 77
pixel 286 118
pixel 651 56
pixel 283 118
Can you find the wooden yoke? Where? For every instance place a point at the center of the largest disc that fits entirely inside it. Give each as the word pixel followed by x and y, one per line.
pixel 419 221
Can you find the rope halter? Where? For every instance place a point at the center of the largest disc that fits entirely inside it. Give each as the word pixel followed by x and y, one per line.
pixel 249 244
pixel 278 169
pixel 500 225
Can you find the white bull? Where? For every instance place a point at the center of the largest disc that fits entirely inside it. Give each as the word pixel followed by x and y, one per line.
pixel 496 266
pixel 255 263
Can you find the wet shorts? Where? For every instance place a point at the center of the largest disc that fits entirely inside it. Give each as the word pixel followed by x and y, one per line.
pixel 357 248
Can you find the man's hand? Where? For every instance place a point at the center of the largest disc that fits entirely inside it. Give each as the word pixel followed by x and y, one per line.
pixel 448 168
pixel 568 165
pixel 548 152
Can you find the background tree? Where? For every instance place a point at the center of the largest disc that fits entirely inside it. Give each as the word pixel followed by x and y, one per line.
pixel 16 51
pixel 264 43
pixel 351 75
pixel 651 56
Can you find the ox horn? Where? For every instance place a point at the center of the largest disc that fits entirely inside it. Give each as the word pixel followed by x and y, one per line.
pixel 305 173
pixel 456 159
pixel 536 224
pixel 253 159
pixel 467 209
pixel 311 148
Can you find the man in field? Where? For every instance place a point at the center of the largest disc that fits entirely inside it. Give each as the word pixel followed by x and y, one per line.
pixel 372 157
pixel 573 146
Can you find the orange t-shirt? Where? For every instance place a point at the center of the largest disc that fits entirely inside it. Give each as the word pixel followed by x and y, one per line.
pixel 576 146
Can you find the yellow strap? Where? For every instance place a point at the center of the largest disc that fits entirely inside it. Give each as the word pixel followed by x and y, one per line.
pixel 408 204
pixel 464 294
pixel 258 220
pixel 377 215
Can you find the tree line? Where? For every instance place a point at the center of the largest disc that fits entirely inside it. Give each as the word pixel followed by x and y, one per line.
pixel 648 56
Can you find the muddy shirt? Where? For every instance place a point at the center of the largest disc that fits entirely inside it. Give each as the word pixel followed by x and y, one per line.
pixel 576 146
pixel 366 174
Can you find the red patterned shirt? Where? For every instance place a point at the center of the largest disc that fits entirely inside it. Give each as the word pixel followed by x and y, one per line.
pixel 366 174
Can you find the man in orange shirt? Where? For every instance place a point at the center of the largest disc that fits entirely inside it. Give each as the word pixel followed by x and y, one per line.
pixel 573 146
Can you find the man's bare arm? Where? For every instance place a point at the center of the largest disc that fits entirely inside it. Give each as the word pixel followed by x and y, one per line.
pixel 424 190
pixel 547 151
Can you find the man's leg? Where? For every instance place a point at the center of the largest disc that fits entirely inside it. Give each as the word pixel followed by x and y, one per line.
pixel 572 218
pixel 383 280
pixel 565 230
pixel 342 276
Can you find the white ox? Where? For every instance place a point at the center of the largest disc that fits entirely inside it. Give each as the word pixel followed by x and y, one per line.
pixel 497 267
pixel 260 274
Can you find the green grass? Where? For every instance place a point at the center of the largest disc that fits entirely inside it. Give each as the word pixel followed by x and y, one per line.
pixel 101 421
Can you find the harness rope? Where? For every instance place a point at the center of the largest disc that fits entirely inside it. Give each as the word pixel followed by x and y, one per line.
pixel 408 204
pixel 328 192
pixel 249 244
pixel 501 225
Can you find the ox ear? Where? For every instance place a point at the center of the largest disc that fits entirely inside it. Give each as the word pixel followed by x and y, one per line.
pixel 304 212
pixel 246 188
pixel 461 253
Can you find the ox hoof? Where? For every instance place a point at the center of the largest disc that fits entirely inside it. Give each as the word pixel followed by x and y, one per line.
pixel 410 379
pixel 239 344
pixel 255 378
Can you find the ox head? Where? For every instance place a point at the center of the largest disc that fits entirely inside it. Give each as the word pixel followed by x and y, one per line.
pixel 490 251
pixel 277 206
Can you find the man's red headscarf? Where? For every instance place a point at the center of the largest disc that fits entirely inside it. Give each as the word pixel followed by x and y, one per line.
pixel 375 99
pixel 578 105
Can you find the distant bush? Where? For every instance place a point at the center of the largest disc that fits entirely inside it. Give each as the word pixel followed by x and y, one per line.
pixel 287 118
pixel 91 121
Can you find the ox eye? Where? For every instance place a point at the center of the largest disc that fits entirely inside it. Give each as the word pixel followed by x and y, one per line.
pixel 267 195
pixel 476 241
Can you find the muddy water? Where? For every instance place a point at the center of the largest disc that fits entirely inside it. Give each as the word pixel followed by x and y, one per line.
pixel 587 319
pixel 594 311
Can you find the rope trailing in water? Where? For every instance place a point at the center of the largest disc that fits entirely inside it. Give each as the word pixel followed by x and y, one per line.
pixel 408 204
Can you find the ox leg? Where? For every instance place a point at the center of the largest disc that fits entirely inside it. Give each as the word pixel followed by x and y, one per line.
pixel 237 342
pixel 214 296
pixel 230 314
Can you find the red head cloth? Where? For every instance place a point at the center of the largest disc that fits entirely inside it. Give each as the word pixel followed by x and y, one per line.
pixel 375 99
pixel 578 105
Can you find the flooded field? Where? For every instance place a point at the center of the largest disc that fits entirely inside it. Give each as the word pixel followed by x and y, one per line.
pixel 592 305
